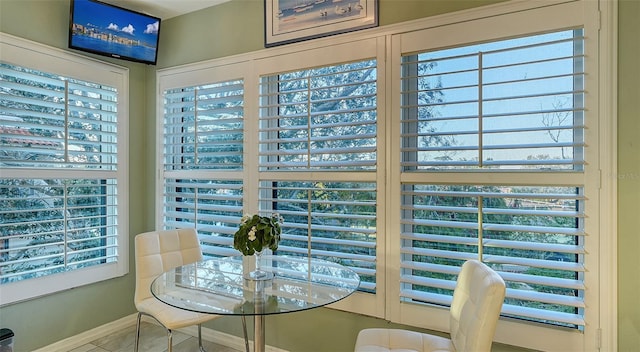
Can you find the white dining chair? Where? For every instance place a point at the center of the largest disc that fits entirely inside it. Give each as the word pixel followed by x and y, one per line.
pixel 155 253
pixel 473 316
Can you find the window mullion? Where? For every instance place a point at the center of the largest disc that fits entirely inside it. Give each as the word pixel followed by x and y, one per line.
pixel 480 112
pixel 66 121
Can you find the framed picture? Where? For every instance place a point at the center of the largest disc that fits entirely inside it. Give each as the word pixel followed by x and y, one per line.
pixel 288 21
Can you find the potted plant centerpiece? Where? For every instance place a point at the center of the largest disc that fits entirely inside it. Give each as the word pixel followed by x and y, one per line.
pixel 255 234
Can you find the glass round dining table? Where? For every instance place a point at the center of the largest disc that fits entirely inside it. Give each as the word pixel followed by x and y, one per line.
pixel 225 286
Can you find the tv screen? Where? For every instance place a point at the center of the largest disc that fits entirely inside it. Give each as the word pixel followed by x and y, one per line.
pixel 113 31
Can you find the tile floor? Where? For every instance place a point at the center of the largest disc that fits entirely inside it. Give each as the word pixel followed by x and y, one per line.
pixel 153 338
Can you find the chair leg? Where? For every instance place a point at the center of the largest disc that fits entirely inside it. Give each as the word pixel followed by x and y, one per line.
pixel 137 337
pixel 169 340
pixel 244 329
pixel 201 348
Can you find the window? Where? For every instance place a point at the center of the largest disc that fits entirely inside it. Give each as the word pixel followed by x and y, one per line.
pixel 60 186
pixel 508 104
pixel 401 152
pixel 203 160
pixel 322 120
pixel 515 104
pixel 335 221
pixel 531 235
pixel 307 150
pixel 499 163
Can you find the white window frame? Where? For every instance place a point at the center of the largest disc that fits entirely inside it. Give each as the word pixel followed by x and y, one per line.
pixel 25 53
pixel 601 316
pixel 190 76
pixel 494 23
pixel 335 53
pixel 249 68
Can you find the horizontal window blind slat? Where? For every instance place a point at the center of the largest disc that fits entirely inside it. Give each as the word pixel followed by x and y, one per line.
pixel 35 88
pixel 508 211
pixel 524 194
pixel 444 223
pixel 323 151
pixel 489 146
pixel 29 246
pixel 203 182
pixel 425 297
pixel 21 75
pixel 343 257
pixel 318 215
pixel 431 267
pixel 331 241
pixel 10 277
pixel 228 88
pixel 545 297
pixel 451 165
pixel 328 164
pixel 364 111
pixel 535 263
pixel 438 253
pixel 538 229
pixel 542 315
pixel 216 240
pixel 430 282
pixel 573 284
pixel 543 247
pixel 310 139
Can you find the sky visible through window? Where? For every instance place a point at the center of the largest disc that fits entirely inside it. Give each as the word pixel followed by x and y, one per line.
pixel 529 84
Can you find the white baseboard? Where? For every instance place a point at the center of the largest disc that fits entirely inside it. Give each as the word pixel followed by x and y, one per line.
pixel 86 337
pixel 90 335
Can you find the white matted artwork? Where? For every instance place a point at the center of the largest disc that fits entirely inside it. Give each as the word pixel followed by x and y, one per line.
pixel 288 21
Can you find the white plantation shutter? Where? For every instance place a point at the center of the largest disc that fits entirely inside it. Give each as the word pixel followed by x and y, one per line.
pixel 513 104
pixel 203 150
pixel 74 127
pixel 56 225
pixel 316 122
pixel 62 170
pixel 508 105
pixel 531 235
pixel 322 118
pixel 214 208
pixel 331 220
pixel 203 127
pixel 52 121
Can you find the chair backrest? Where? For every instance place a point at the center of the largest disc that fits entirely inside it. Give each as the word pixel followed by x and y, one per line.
pixel 159 251
pixel 476 305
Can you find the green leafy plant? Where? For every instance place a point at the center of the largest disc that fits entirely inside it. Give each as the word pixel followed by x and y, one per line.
pixel 257 233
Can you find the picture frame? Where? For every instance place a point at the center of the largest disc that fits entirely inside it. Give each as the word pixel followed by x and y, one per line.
pixel 290 21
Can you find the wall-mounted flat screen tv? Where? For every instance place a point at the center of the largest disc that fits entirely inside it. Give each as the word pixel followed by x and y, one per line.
pixel 113 31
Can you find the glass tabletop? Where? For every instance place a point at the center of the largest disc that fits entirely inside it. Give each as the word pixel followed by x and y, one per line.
pixel 221 285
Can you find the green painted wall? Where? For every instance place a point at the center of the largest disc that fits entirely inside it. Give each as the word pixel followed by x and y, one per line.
pixel 236 27
pixel 628 175
pixel 40 322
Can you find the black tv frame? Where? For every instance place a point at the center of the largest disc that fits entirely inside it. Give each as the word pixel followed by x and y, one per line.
pixel 116 55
